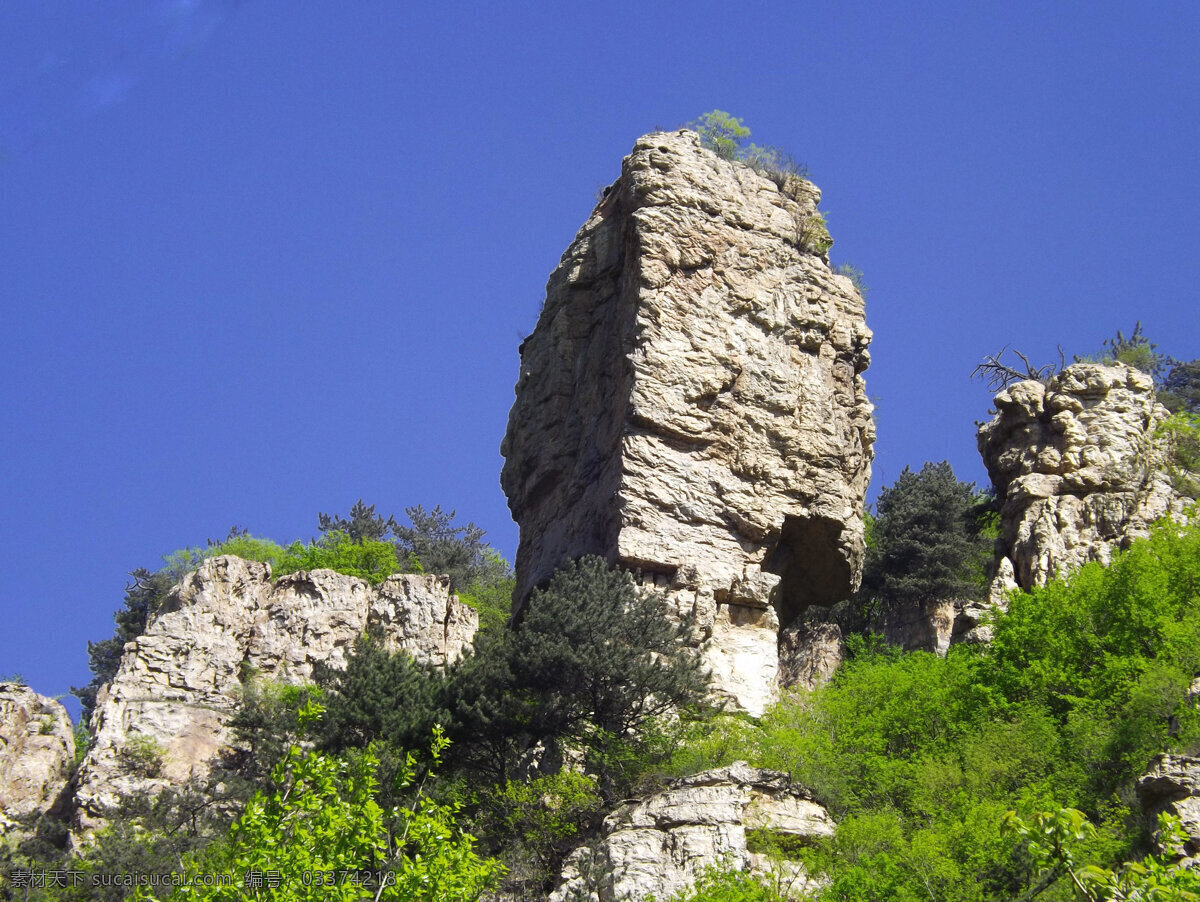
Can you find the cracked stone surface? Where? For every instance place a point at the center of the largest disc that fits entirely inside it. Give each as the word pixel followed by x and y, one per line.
pixel 661 844
pixel 1078 468
pixel 37 748
pixel 181 681
pixel 691 404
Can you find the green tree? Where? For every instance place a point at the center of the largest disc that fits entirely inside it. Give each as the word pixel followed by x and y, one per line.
pixel 721 133
pixel 379 696
pixel 322 835
pixel 442 547
pixel 144 594
pixel 1180 390
pixel 362 525
pixel 1052 839
pixel 928 539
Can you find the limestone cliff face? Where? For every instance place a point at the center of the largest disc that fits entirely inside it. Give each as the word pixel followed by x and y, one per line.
pixel 37 748
pixel 162 720
pixel 691 405
pixel 661 844
pixel 1078 469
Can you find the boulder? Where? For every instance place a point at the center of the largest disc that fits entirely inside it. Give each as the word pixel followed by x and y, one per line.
pixel 661 844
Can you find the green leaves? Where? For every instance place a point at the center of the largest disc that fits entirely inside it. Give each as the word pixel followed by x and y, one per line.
pixel 322 835
pixel 721 133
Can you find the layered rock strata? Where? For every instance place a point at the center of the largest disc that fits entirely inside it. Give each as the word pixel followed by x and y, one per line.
pixel 37 749
pixel 662 844
pixel 162 720
pixel 691 405
pixel 1079 469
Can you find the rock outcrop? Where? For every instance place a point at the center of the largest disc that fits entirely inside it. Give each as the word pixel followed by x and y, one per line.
pixel 37 749
pixel 662 844
pixel 1172 784
pixel 162 720
pixel 1079 469
pixel 692 405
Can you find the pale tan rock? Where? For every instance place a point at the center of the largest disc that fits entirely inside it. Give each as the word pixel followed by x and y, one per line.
pixel 1172 784
pixel 661 844
pixel 691 404
pixel 809 653
pixel 1078 468
pixel 162 720
pixel 37 749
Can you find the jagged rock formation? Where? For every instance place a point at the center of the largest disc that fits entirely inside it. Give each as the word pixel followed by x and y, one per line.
pixel 691 405
pixel 1079 469
pixel 37 749
pixel 661 844
pixel 1172 784
pixel 162 720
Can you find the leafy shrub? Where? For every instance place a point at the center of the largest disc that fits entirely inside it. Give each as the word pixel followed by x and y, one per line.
pixel 727 884
pixel 540 821
pixel 321 834
pixel 1182 431
pixel 919 758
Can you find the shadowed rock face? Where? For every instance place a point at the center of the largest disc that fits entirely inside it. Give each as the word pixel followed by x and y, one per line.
pixel 1078 469
pixel 182 680
pixel 691 405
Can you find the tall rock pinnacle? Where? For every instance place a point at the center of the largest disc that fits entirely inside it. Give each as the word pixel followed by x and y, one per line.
pixel 691 405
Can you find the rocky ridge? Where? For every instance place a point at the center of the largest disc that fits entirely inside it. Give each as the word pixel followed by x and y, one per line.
pixel 691 405
pixel 1079 468
pixel 661 844
pixel 162 720
pixel 37 749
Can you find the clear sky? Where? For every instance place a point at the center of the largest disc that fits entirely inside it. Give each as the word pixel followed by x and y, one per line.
pixel 261 258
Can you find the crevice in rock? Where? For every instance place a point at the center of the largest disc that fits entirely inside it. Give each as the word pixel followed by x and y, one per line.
pixel 812 567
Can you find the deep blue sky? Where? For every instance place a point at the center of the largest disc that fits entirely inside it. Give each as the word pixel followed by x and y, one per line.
pixel 260 259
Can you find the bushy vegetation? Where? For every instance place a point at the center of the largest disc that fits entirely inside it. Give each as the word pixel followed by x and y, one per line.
pixel 726 136
pixel 920 758
pixel 321 833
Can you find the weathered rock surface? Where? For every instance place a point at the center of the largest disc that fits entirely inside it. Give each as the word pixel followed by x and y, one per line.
pixel 37 749
pixel 162 720
pixel 1078 468
pixel 692 405
pixel 1172 784
pixel 663 843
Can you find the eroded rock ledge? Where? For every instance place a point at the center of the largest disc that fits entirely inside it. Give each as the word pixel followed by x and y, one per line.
pixel 691 405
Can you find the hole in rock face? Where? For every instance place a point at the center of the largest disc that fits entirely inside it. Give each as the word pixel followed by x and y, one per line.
pixel 812 568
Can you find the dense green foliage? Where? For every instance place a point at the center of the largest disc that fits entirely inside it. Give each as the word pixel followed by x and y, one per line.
pixel 919 758
pixel 726 884
pixel 928 539
pixel 1051 839
pixel 322 834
